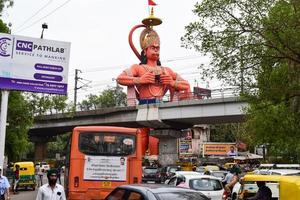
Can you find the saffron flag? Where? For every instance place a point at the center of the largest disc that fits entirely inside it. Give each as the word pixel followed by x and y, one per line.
pixel 151 3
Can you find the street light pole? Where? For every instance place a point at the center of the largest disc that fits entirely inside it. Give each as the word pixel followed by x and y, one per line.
pixel 3 118
pixel 44 26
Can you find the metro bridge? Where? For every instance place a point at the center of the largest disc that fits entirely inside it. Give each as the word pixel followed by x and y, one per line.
pixel 166 118
pixel 175 115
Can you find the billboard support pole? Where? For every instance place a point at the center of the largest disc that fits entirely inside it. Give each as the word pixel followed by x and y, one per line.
pixel 3 117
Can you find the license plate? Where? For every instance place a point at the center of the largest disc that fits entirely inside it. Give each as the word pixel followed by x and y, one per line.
pixel 150 181
pixel 106 184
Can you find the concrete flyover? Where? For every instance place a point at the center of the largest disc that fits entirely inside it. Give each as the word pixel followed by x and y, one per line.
pixel 174 115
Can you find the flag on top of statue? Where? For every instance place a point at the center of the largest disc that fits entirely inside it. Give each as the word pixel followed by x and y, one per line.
pixel 151 3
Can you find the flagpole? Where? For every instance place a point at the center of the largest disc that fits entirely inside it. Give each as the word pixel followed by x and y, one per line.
pixel 149 9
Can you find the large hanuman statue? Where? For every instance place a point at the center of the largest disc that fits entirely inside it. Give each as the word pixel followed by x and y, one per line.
pixel 149 79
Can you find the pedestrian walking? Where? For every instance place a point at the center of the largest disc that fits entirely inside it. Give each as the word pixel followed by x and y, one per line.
pixel 51 190
pixel 40 174
pixel 16 178
pixel 36 173
pixel 4 187
pixel 59 174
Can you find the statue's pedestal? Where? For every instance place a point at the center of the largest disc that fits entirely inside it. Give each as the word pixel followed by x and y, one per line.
pixel 168 145
pixel 148 116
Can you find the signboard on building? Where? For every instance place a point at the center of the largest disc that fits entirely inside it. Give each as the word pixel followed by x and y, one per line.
pixel 31 64
pixel 185 145
pixel 217 149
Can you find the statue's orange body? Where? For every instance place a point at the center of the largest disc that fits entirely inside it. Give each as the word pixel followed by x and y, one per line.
pixel 152 81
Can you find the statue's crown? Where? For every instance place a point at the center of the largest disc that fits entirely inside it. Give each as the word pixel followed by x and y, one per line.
pixel 149 37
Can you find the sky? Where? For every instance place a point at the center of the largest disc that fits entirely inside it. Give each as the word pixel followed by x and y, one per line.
pixel 98 32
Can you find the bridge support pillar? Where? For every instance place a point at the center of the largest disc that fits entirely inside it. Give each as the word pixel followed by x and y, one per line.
pixel 40 146
pixel 40 150
pixel 168 145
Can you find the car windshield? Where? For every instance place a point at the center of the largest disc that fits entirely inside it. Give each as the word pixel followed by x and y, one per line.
pixel 263 172
pixel 181 195
pixel 173 169
pixel 150 170
pixel 218 174
pixel 200 169
pixel 205 184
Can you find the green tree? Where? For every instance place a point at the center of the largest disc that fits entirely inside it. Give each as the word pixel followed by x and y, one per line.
pixel 19 119
pixel 232 132
pixel 5 3
pixel 3 26
pixel 59 103
pixel 59 146
pixel 85 105
pixel 42 104
pixel 233 34
pixel 255 45
pixel 94 100
pixel 277 102
pixel 111 97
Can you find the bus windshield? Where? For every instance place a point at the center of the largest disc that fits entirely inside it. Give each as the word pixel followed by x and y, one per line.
pixel 106 143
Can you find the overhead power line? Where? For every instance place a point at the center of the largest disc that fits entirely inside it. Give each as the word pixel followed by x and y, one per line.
pixel 117 67
pixel 37 12
pixel 44 16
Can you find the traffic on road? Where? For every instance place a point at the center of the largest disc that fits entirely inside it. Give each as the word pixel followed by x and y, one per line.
pixel 190 185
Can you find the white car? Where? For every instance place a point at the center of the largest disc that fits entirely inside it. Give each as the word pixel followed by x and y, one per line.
pixel 43 166
pixel 182 173
pixel 208 185
pixel 279 166
pixel 186 173
pixel 219 174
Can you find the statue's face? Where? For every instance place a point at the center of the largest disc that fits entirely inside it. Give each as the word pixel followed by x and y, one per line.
pixel 152 52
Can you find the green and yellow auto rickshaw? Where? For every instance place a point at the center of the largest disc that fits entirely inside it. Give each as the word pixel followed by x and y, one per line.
pixel 27 175
pixel 282 187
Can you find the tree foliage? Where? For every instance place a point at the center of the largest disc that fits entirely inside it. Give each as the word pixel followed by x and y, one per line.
pixel 42 104
pixel 5 3
pixel 255 45
pixel 111 97
pixel 232 132
pixel 19 121
pixel 233 33
pixel 59 146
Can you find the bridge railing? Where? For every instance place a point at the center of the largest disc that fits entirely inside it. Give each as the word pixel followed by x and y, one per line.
pixel 198 95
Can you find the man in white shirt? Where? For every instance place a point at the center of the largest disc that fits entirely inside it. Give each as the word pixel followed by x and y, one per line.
pixel 51 190
pixel 4 186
